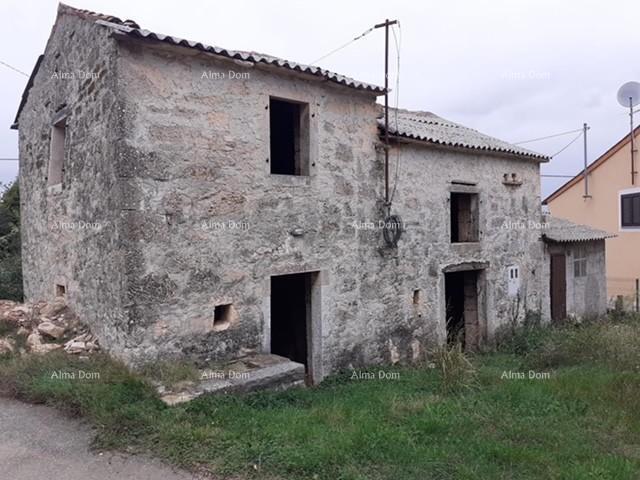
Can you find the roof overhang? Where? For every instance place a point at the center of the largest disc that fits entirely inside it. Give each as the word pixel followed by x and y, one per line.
pixel 461 148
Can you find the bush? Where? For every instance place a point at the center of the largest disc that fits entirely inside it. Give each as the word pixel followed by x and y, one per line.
pixel 10 255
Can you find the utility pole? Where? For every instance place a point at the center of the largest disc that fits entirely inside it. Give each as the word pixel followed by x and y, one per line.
pixel 386 24
pixel 586 176
pixel 633 146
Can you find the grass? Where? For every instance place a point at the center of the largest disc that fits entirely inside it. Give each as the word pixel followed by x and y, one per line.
pixel 581 423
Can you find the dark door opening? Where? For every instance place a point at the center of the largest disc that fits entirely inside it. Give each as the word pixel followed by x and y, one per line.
pixel 291 316
pixel 461 294
pixel 558 287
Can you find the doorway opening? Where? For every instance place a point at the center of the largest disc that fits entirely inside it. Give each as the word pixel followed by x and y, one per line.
pixel 291 316
pixel 558 287
pixel 462 319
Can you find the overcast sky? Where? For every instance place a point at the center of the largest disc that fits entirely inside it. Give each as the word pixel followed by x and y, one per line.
pixel 512 69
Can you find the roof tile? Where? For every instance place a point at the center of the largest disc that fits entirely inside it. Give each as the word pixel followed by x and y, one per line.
pixel 428 127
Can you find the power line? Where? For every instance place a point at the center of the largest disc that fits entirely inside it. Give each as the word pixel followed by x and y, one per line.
pixel 366 32
pixel 567 145
pixel 549 136
pixel 9 159
pixel 14 68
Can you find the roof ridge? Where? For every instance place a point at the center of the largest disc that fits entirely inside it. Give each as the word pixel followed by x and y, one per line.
pixel 134 30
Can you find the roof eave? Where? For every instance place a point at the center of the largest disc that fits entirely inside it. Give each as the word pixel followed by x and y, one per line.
pixel 547 238
pixel 466 149
pixel 139 35
pixel 25 93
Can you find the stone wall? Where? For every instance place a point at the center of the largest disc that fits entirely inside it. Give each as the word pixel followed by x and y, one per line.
pixel 196 158
pixel 69 231
pixel 169 148
pixel 586 294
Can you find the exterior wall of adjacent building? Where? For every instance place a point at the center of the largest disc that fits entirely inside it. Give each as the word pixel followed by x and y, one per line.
pixel 69 231
pixel 586 294
pixel 606 182
pixel 509 232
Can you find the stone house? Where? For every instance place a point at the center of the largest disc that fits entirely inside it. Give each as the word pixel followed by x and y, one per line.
pixel 194 201
pixel 576 263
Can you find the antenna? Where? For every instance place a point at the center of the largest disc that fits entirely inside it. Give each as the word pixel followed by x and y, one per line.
pixel 629 96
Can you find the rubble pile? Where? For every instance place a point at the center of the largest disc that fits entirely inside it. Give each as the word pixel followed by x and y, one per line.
pixel 43 327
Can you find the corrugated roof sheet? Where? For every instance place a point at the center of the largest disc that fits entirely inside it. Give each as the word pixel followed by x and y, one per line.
pixel 132 29
pixel 562 230
pixel 428 127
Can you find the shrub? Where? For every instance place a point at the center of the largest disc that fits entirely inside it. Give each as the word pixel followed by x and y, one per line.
pixel 10 255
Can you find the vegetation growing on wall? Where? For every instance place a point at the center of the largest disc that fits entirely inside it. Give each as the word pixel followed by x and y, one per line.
pixel 10 261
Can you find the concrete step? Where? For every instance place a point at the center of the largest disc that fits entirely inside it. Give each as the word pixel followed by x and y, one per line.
pixel 247 374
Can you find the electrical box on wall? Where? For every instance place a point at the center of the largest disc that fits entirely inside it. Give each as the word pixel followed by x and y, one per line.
pixel 513 280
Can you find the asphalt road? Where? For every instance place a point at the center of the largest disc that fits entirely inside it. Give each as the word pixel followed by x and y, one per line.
pixel 38 443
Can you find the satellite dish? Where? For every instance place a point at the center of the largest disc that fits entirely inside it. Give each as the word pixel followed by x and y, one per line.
pixel 630 90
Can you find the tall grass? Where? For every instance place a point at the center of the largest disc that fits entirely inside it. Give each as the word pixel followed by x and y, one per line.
pixel 457 373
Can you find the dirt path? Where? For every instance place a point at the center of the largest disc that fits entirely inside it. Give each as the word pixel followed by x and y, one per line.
pixel 38 442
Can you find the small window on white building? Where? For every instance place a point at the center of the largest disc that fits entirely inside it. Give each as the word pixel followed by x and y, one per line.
pixel 580 263
pixel 513 280
pixel 56 152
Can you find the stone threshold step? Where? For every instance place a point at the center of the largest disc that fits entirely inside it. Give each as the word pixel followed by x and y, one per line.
pixel 248 374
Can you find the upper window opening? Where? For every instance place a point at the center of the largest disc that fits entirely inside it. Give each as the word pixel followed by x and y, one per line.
pixel 289 137
pixel 464 217
pixel 630 210
pixel 57 153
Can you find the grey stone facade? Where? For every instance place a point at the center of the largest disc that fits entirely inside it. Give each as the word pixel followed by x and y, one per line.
pixel 168 209
pixel 586 293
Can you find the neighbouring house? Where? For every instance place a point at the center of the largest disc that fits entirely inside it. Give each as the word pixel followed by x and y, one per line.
pixel 575 259
pixel 190 200
pixel 610 202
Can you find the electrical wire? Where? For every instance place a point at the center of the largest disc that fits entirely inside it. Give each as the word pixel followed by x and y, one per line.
pixel 14 68
pixel 549 136
pixel 567 145
pixel 366 32
pixel 398 43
